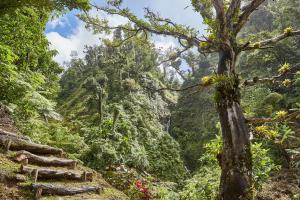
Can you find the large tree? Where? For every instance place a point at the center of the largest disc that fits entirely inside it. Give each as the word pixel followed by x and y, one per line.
pixel 225 19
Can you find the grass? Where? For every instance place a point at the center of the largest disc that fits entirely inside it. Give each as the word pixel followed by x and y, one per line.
pixel 7 165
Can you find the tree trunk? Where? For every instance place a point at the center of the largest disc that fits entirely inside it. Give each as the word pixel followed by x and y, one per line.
pixel 236 159
pixel 100 102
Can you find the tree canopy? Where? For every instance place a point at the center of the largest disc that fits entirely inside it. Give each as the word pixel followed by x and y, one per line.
pixel 58 5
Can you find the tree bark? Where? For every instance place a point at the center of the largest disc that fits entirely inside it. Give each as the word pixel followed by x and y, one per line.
pixel 44 161
pixel 236 159
pixel 50 189
pixel 13 135
pixel 57 174
pixel 20 144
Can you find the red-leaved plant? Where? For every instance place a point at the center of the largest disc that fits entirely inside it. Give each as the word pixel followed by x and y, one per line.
pixel 142 187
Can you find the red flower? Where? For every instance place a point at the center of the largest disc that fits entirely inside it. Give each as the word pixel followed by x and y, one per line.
pixel 142 187
pixel 139 184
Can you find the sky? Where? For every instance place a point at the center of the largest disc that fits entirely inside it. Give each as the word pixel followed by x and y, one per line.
pixel 67 33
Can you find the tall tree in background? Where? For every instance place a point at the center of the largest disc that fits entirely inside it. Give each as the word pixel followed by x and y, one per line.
pixel 224 19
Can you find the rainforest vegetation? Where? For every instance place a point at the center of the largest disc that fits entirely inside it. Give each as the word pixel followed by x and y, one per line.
pixel 215 117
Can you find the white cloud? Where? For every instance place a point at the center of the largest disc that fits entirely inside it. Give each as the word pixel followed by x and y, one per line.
pixel 59 22
pixel 180 11
pixel 164 43
pixel 77 41
pixel 80 37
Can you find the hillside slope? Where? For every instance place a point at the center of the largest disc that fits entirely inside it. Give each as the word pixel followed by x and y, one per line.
pixel 34 171
pixel 109 98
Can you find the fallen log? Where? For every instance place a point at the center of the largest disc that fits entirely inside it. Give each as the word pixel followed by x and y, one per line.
pixel 56 174
pixel 20 144
pixel 21 157
pixel 50 189
pixel 13 135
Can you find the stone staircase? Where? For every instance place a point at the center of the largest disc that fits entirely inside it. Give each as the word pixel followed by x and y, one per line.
pixel 47 168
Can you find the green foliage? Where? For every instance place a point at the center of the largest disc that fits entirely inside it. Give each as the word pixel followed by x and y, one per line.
pixel 164 191
pixel 131 132
pixel 283 55
pixel 255 105
pixel 194 116
pixel 54 133
pixel 29 76
pixel 9 76
pixel 284 68
pixel 263 165
pixel 204 184
pixel 58 5
pixel 266 131
pixel 113 116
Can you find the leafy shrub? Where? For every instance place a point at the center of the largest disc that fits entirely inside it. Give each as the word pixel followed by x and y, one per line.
pixel 204 184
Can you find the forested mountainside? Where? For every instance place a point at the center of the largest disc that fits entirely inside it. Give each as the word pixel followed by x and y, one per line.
pixel 110 98
pixel 216 117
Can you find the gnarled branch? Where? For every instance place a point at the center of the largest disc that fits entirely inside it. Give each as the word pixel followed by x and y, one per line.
pixel 258 121
pixel 232 10
pixel 153 25
pixel 219 7
pixel 247 10
pixel 256 80
pixel 180 89
pixel 271 41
